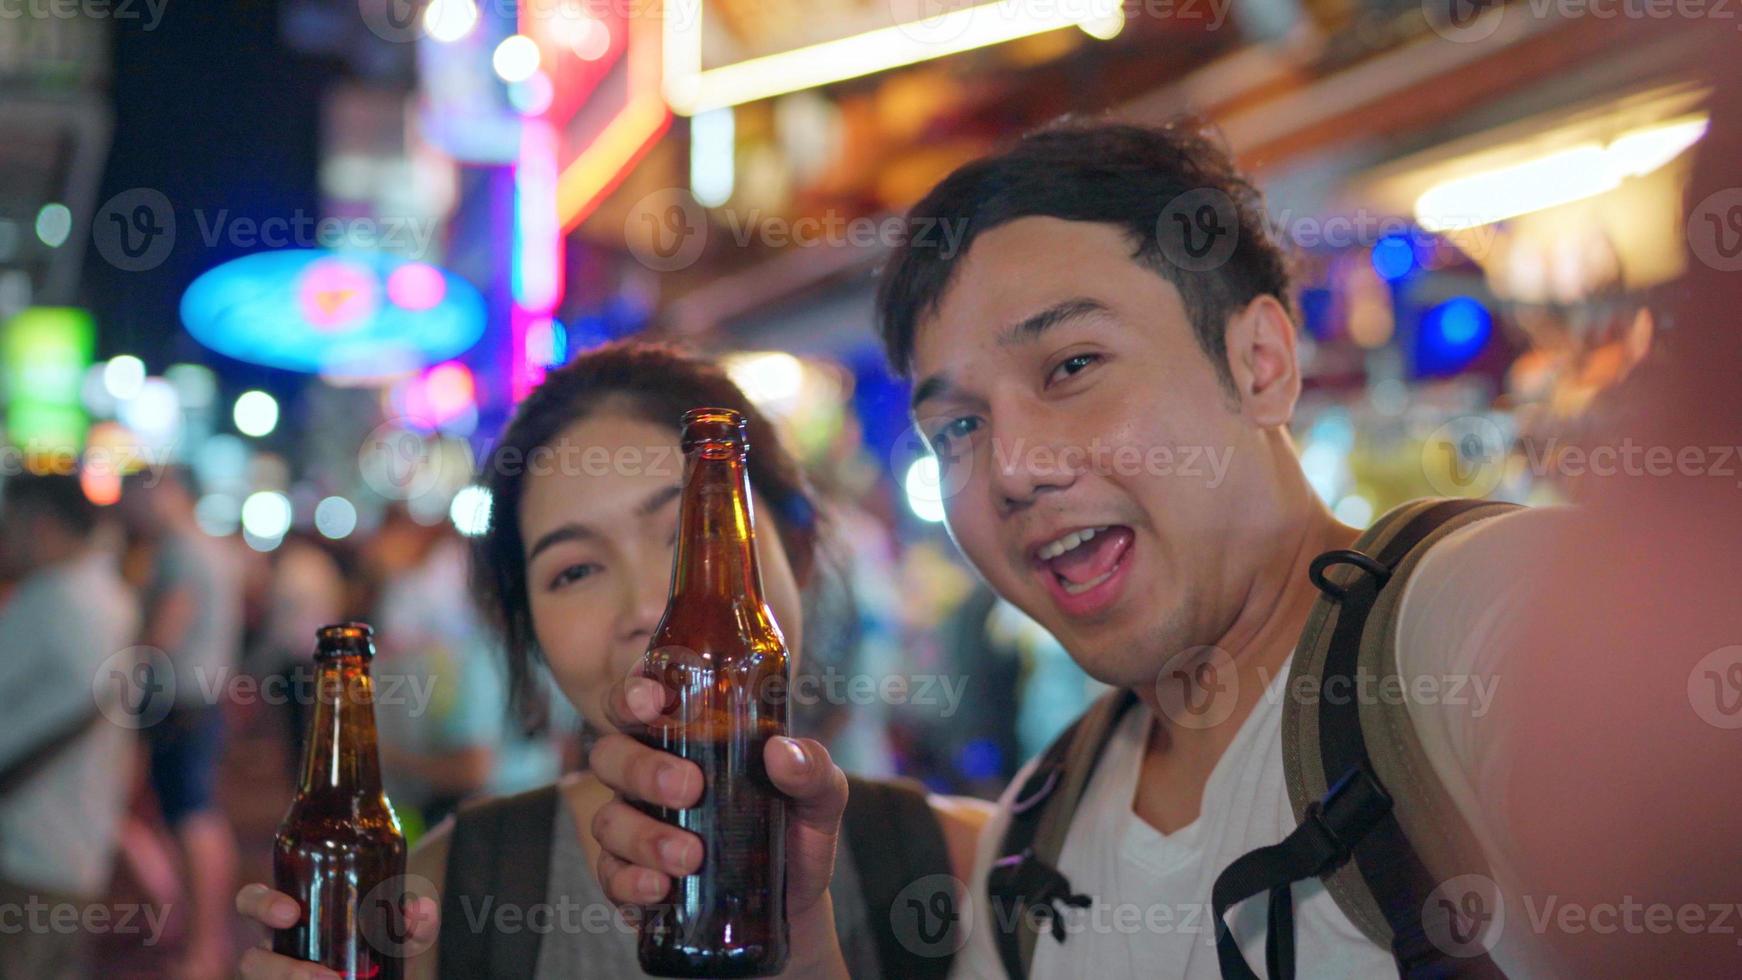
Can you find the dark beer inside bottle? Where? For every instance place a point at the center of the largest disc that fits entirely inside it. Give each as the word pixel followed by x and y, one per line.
pixel 723 663
pixel 339 851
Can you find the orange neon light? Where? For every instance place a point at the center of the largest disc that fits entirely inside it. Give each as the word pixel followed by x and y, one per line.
pixel 636 127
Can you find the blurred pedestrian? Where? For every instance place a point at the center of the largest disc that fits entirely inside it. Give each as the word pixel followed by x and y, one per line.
pixel 306 591
pixel 446 730
pixel 65 766
pixel 192 613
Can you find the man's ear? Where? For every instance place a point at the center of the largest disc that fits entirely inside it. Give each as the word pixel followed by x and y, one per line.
pixel 1261 360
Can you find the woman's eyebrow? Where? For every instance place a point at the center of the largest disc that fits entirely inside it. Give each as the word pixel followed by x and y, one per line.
pixel 567 532
pixel 658 499
pixel 573 531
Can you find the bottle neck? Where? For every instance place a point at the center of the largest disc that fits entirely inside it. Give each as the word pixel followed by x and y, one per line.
pixel 716 543
pixel 341 758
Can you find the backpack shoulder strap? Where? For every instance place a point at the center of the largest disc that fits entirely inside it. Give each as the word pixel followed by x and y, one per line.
pixel 1040 816
pixel 895 842
pixel 499 857
pixel 1350 832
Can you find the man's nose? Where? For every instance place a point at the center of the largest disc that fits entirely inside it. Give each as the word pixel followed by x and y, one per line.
pixel 1027 463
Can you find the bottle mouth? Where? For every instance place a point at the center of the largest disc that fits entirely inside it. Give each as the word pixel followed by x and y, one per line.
pixel 345 639
pixel 714 427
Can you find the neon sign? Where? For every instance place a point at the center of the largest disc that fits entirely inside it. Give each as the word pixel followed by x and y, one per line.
pixel 340 314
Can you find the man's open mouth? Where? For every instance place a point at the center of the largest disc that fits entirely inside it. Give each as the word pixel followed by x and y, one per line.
pixel 1082 559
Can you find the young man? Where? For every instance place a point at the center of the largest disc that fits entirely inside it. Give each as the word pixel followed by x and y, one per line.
pixel 1106 366
pixel 1106 371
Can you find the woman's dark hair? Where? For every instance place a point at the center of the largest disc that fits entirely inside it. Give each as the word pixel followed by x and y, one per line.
pixel 651 382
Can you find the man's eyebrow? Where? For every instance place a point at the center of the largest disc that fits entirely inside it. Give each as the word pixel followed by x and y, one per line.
pixel 1028 329
pixel 567 532
pixel 1046 319
pixel 932 387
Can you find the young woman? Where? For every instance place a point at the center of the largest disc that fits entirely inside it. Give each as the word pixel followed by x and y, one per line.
pixel 575 570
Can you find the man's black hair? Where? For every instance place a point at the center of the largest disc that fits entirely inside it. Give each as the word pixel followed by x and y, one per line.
pixel 1165 187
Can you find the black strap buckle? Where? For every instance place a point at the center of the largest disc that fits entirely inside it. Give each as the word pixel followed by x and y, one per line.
pixel 1351 808
pixel 1345 556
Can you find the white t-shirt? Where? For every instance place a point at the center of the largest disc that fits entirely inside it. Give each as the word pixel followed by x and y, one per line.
pixel 1152 917
pixel 58 828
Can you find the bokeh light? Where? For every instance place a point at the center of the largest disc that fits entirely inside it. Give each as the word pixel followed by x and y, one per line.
pixel 416 286
pixel 54 224
pixel 335 517
pixel 266 514
pixel 516 58
pixel 448 21
pixel 255 414
pixel 470 510
pixel 924 489
pixel 123 376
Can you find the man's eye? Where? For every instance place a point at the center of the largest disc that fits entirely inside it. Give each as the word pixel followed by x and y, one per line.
pixel 1071 366
pixel 946 436
pixel 575 573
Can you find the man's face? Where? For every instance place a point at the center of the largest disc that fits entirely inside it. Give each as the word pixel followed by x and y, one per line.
pixel 1062 388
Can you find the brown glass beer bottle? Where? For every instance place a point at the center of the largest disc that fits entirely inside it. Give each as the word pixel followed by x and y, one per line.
pixel 723 663
pixel 339 851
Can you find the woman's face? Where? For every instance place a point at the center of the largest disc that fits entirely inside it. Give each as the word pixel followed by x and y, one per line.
pixel 598 522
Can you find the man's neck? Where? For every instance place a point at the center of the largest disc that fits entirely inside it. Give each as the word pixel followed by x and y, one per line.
pixel 1196 721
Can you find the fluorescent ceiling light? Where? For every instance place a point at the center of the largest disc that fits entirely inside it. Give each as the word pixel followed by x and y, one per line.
pixel 1561 177
pixel 690 90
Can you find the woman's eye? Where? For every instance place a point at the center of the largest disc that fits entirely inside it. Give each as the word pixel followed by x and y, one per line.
pixel 955 429
pixel 1071 366
pixel 575 573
